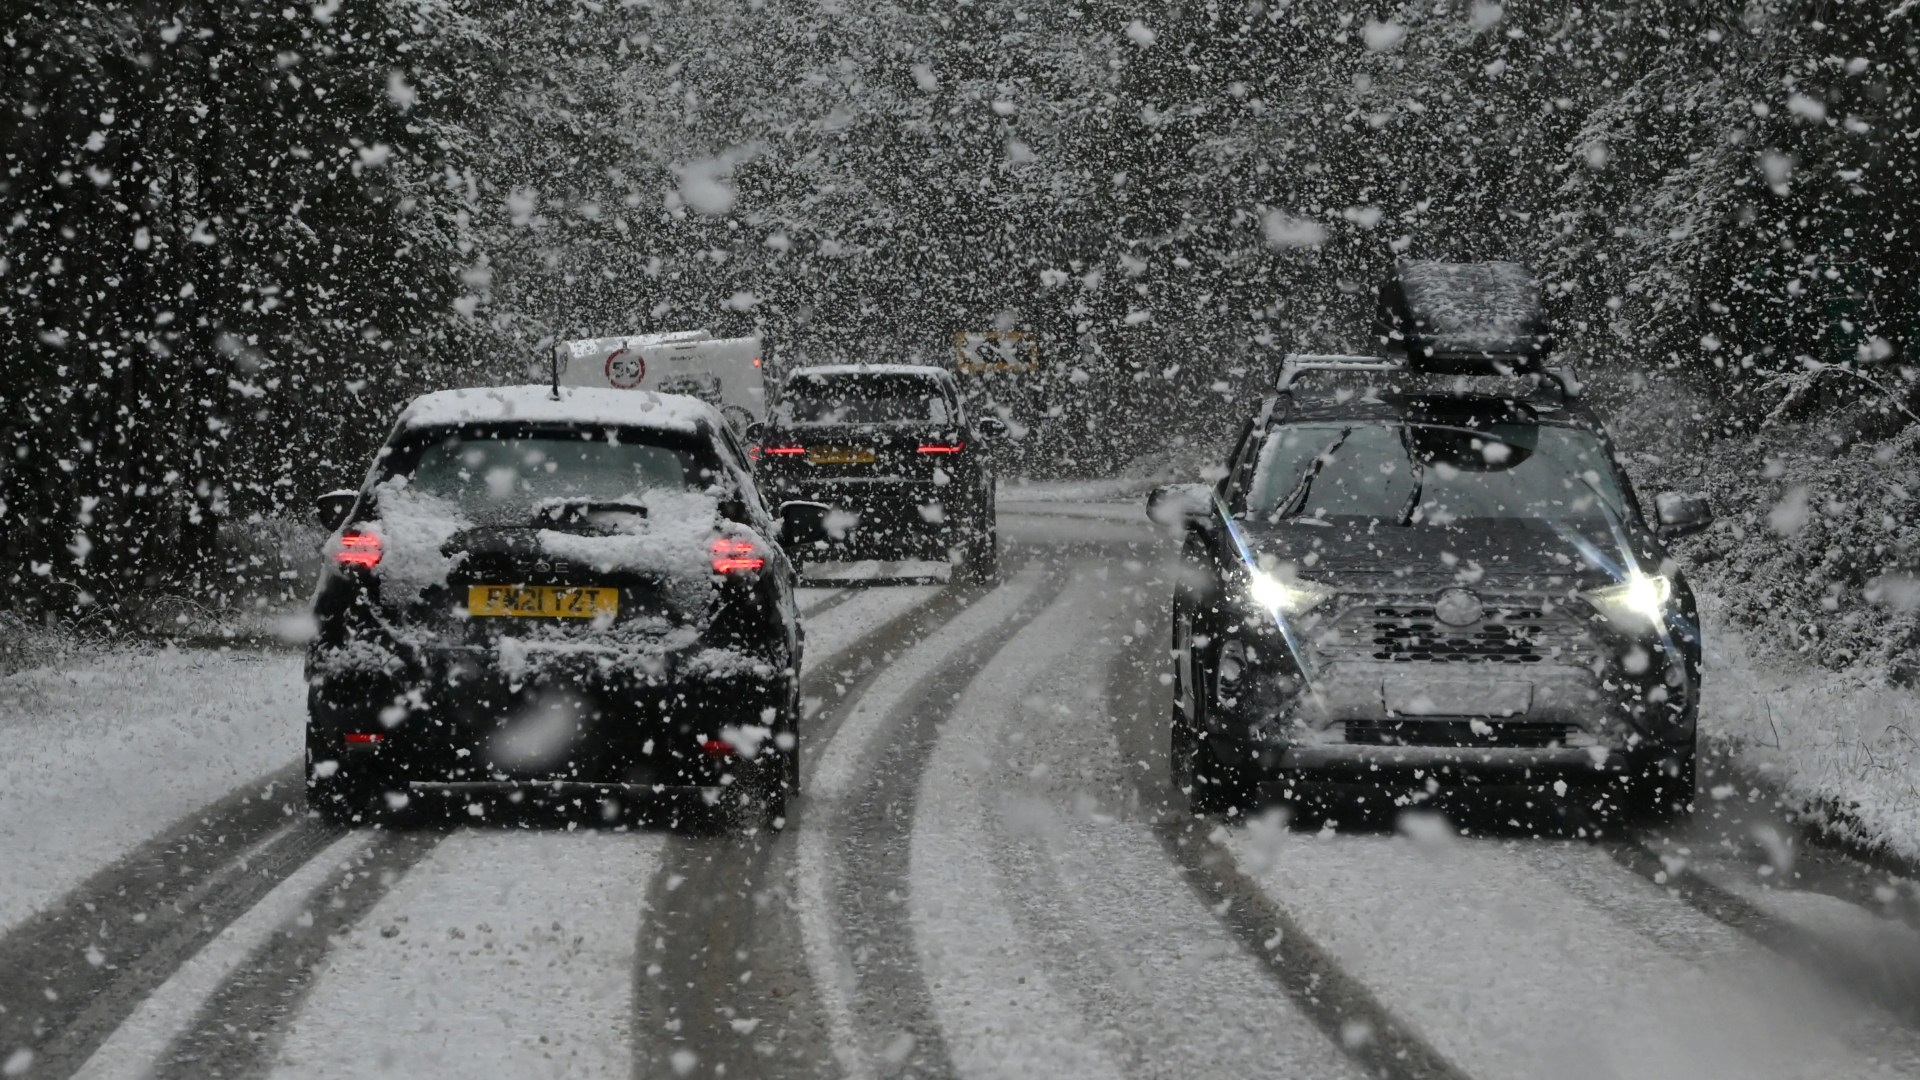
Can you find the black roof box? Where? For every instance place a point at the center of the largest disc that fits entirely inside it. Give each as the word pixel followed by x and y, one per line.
pixel 1481 318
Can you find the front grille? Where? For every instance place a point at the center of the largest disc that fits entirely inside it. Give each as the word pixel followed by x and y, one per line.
pixel 1524 734
pixel 1413 634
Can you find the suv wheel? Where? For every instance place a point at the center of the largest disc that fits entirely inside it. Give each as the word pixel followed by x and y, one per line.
pixel 1213 787
pixel 1661 787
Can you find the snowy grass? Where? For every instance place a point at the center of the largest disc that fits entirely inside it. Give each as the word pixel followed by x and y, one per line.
pixel 1843 745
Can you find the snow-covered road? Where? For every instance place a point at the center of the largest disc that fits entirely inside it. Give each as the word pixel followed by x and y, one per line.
pixel 989 876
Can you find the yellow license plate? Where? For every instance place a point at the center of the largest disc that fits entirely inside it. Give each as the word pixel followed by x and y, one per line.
pixel 839 455
pixel 542 601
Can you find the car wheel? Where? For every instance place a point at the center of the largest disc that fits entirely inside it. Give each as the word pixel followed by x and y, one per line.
pixel 337 798
pixel 982 563
pixel 1213 786
pixel 1661 787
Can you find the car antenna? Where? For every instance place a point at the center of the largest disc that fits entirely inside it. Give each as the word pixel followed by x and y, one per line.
pixel 553 367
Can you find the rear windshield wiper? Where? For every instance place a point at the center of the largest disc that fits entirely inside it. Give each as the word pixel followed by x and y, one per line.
pixel 572 511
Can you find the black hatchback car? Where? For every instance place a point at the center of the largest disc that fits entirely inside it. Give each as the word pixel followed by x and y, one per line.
pixel 892 460
pixel 1402 589
pixel 572 595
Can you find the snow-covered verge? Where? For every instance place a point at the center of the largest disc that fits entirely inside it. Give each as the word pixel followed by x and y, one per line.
pixel 105 751
pixel 1845 745
pixel 1178 464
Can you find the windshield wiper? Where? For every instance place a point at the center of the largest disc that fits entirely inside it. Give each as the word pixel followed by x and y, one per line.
pixel 1419 468
pixel 1296 499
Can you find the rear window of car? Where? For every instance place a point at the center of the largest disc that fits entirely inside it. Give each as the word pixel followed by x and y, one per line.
pixel 863 399
pixel 489 473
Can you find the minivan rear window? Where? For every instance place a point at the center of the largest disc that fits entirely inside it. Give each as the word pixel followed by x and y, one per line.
pixel 863 399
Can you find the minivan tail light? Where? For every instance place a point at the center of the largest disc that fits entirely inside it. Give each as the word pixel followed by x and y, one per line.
pixel 360 549
pixel 942 448
pixel 736 556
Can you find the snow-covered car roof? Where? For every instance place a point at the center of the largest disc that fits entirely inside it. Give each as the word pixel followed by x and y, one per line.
pixel 576 405
pixel 922 370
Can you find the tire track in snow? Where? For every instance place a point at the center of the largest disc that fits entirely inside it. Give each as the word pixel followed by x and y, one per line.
pixel 1340 1005
pixel 888 997
pixel 77 970
pixel 1103 963
pixel 241 1024
pixel 815 604
pixel 721 986
pixel 1892 986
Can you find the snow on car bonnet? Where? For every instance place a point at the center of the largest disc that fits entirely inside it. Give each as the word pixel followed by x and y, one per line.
pixel 575 405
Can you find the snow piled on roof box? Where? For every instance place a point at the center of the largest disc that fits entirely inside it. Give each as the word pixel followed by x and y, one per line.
pixel 1465 312
pixel 576 405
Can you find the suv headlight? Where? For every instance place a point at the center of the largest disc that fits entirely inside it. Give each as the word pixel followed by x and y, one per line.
pixel 1285 597
pixel 1640 600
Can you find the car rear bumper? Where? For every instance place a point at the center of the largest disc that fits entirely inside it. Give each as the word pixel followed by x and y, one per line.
pixel 888 516
pixel 570 726
pixel 1595 761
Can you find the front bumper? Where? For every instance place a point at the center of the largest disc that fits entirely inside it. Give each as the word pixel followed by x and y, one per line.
pixel 1373 720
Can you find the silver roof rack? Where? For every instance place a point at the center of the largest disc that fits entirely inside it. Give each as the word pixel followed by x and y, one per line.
pixel 1298 364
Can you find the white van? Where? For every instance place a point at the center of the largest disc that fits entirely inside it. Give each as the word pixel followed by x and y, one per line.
pixel 726 373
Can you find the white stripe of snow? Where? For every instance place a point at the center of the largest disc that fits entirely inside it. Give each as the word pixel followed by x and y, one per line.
pixel 503 953
pixel 1509 974
pixel 137 1045
pixel 102 755
pixel 832 775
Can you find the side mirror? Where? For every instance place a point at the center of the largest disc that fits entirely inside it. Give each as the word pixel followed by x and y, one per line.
pixel 803 524
pixel 1678 515
pixel 331 509
pixel 1174 506
pixel 753 431
pixel 990 425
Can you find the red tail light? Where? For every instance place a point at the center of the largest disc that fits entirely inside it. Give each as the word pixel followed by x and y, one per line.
pixel 717 748
pixel 783 451
pixel 364 738
pixel 942 448
pixel 736 556
pixel 358 549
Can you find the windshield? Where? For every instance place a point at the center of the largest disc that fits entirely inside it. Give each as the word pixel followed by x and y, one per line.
pixel 486 474
pixel 1432 474
pixel 863 399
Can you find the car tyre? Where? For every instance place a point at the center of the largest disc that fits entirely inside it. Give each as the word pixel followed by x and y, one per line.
pixel 982 562
pixel 1213 787
pixel 339 798
pixel 1662 786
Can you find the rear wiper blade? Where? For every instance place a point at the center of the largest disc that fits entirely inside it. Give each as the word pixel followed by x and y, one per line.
pixel 571 510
